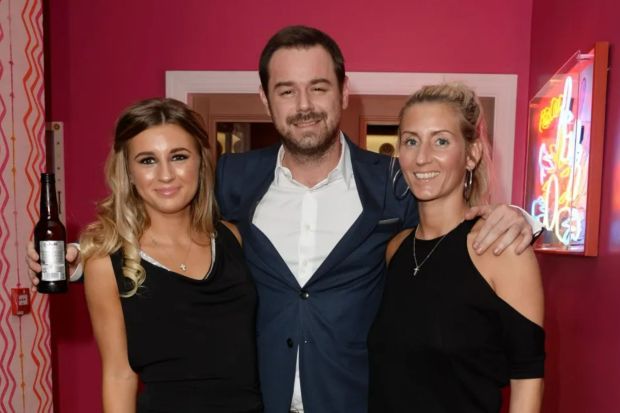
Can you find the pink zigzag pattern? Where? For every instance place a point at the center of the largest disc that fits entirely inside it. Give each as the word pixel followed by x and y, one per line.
pixel 7 336
pixel 33 122
pixel 8 340
pixel 9 384
pixel 41 353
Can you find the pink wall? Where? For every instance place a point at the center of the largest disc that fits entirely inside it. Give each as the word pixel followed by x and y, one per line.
pixel 105 54
pixel 582 305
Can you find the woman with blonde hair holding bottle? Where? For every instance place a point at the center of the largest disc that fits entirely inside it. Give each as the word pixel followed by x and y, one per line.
pixel 170 297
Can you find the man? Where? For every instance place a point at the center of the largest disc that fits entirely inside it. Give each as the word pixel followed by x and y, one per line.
pixel 316 214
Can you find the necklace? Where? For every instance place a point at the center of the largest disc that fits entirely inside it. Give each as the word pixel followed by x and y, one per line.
pixel 415 259
pixel 182 265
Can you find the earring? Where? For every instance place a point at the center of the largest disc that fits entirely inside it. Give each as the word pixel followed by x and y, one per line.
pixel 469 180
pixel 397 175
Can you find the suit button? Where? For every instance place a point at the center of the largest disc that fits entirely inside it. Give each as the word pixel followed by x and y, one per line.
pixel 304 294
pixel 289 342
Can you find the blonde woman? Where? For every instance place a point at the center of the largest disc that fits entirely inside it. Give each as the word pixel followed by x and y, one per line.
pixel 170 297
pixel 454 327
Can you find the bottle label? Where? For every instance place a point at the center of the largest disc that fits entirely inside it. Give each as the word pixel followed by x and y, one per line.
pixel 52 255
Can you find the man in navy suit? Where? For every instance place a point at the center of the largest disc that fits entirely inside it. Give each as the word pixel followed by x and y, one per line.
pixel 316 214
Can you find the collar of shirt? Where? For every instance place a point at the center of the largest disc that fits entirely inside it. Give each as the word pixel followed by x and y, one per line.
pixel 343 170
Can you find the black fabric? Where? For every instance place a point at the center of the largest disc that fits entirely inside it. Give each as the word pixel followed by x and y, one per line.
pixel 192 342
pixel 443 341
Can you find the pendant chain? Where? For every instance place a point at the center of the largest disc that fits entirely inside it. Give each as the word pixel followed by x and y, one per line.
pixel 415 259
pixel 183 265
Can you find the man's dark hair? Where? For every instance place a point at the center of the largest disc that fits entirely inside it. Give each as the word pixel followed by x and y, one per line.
pixel 299 37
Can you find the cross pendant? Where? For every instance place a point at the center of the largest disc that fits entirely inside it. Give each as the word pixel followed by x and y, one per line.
pixel 415 271
pixel 183 267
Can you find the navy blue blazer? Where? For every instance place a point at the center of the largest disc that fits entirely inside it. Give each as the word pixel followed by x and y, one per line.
pixel 329 319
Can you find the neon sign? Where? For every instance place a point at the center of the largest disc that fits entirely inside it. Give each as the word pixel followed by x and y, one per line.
pixel 549 113
pixel 565 153
pixel 562 167
pixel 565 150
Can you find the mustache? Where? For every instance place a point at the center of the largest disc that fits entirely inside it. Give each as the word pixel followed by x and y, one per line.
pixel 306 117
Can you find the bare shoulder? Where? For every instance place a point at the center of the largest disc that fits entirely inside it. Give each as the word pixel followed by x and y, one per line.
pixel 98 268
pixel 99 280
pixel 515 278
pixel 233 228
pixel 394 244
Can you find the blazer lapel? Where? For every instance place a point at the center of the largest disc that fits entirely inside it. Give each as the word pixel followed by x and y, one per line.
pixel 259 248
pixel 371 179
pixel 261 170
pixel 263 255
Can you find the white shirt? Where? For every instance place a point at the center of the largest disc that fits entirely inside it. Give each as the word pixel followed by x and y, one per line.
pixel 305 224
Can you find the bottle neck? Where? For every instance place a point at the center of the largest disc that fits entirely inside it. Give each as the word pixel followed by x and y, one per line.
pixel 49 202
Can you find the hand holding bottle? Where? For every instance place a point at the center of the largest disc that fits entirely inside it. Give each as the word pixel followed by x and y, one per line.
pixel 32 262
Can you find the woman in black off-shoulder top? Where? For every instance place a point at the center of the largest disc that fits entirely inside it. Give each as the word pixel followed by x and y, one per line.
pixel 454 327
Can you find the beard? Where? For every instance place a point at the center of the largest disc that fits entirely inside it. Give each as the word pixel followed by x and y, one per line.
pixel 310 144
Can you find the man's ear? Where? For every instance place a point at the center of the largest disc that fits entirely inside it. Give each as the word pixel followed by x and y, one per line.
pixel 474 153
pixel 264 99
pixel 345 93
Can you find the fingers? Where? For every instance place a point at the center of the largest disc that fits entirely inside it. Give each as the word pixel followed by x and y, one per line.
pixel 72 254
pixel 525 240
pixel 32 262
pixel 34 281
pixel 507 238
pixel 33 267
pixel 73 258
pixel 31 252
pixel 521 240
pixel 488 235
pixel 501 228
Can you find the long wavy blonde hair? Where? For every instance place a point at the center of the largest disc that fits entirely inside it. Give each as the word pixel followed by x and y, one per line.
pixel 473 127
pixel 121 216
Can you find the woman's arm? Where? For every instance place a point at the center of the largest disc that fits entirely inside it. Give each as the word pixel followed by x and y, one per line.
pixel 120 382
pixel 516 280
pixel 526 395
pixel 514 277
pixel 521 287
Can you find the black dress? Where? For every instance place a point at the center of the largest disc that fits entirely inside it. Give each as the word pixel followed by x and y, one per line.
pixel 443 341
pixel 192 342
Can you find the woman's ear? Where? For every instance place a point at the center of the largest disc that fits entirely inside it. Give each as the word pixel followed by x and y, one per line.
pixel 474 153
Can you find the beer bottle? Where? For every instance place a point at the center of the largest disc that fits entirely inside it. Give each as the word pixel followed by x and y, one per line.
pixel 49 240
